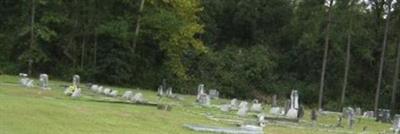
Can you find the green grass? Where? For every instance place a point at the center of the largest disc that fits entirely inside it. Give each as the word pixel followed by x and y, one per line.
pixel 28 111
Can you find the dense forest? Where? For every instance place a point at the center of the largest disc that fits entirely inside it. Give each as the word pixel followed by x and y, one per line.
pixel 243 48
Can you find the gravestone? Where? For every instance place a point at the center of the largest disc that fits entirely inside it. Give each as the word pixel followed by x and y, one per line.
pixel 243 109
pixel 137 98
pixel 204 100
pixel 242 112
pixel 294 105
pixel 94 87
pixel 243 104
pixel 274 103
pixel 200 91
pixel 127 95
pixel 256 107
pixel 351 117
pixel 76 80
pixel 25 81
pixel 368 114
pixel 358 111
pixel 114 93
pixel 169 92
pixel 44 81
pixel 76 93
pixel 100 90
pixel 225 108
pixel 214 94
pixel 277 111
pixel 384 115
pixel 106 91
pixel 234 104
pixel 287 106
pixel 396 124
pixel 160 91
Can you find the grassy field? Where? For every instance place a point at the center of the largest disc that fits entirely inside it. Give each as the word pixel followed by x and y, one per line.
pixel 30 111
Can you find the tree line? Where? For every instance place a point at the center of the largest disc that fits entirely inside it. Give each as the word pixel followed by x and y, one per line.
pixel 339 52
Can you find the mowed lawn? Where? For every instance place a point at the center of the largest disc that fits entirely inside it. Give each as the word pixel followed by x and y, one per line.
pixel 29 111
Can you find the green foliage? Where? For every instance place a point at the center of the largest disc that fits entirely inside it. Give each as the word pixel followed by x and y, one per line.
pixel 244 48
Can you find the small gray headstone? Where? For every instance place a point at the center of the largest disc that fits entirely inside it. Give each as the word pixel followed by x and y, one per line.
pixel 114 93
pixel 127 95
pixel 204 100
pixel 277 111
pixel 234 104
pixel 44 81
pixel 94 87
pixel 100 90
pixel 242 109
pixel 256 108
pixel 169 92
pixel 106 91
pixel 214 94
pixel 138 97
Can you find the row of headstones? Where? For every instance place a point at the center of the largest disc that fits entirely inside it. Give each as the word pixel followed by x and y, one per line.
pixel 27 82
pixel 242 107
pixel 292 108
pixel 203 98
pixel 128 95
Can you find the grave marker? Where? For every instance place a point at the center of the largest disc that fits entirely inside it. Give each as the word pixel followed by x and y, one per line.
pixel 44 81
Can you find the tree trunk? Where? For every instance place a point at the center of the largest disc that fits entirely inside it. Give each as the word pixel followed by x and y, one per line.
pixel 395 80
pixel 83 53
pixel 138 26
pixel 321 87
pixel 382 60
pixel 32 40
pixel 346 70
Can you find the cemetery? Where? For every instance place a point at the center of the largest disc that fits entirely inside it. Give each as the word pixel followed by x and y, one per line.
pixel 199 66
pixel 143 111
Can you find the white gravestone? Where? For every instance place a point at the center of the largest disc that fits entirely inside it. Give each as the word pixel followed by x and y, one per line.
pixel 25 81
pixel 114 93
pixel 243 108
pixel 169 92
pixel 44 81
pixel 137 98
pixel 100 90
pixel 200 91
pixel 256 107
pixel 294 105
pixel 204 100
pixel 106 91
pixel 234 104
pixel 94 87
pixel 76 93
pixel 127 95
pixel 76 80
